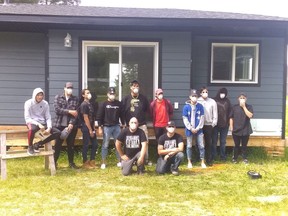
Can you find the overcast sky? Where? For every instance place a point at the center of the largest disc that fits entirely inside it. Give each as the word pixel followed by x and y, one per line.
pixel 273 8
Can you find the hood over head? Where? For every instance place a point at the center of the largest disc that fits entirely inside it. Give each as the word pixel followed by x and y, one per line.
pixel 221 91
pixel 35 92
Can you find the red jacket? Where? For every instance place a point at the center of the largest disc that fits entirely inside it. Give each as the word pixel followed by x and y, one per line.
pixel 168 106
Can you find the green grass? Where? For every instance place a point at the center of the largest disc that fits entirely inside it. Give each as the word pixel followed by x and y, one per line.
pixel 224 189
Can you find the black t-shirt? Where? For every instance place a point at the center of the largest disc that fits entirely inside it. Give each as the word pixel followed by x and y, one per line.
pixel 87 108
pixel 241 123
pixel 132 141
pixel 170 142
pixel 135 107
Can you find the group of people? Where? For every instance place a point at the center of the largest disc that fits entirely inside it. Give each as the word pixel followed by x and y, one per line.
pixel 204 119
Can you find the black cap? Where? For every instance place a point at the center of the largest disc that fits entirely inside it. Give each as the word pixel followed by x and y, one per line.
pixel 69 85
pixel 171 123
pixel 111 90
pixel 134 82
pixel 242 94
pixel 193 93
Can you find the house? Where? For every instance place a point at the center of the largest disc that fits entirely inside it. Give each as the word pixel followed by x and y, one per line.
pixel 96 47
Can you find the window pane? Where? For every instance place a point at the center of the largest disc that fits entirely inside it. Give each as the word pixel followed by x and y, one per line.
pixel 245 64
pixel 222 63
pixel 103 67
pixel 138 63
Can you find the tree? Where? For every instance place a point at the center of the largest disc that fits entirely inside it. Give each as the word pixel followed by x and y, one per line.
pixel 43 2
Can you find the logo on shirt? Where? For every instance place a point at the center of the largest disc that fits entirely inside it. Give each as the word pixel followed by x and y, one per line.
pixel 133 141
pixel 170 144
pixel 112 107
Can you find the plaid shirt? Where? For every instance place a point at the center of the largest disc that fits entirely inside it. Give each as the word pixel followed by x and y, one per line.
pixel 62 107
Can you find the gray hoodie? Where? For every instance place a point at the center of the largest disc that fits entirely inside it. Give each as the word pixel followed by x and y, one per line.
pixel 35 113
pixel 210 111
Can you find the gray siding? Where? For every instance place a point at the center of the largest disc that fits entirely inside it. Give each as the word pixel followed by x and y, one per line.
pixel 176 52
pixel 22 68
pixel 266 98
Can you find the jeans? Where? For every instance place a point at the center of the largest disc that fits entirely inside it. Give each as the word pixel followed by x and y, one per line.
pixel 108 132
pixel 86 139
pixel 172 164
pixel 127 165
pixel 159 131
pixel 223 131
pixel 237 141
pixel 199 142
pixel 145 129
pixel 70 145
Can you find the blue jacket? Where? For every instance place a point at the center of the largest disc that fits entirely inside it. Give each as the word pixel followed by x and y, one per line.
pixel 186 114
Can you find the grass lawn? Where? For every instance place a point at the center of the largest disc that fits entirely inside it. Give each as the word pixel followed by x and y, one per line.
pixel 224 189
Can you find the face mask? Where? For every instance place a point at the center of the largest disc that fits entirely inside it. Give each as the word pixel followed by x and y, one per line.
pixel 69 91
pixel 205 95
pixel 89 96
pixel 171 129
pixel 222 95
pixel 135 90
pixel 160 97
pixel 133 126
pixel 193 99
pixel 242 101
pixel 111 97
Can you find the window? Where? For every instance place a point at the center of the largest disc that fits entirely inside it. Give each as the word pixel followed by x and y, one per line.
pixel 234 63
pixel 117 63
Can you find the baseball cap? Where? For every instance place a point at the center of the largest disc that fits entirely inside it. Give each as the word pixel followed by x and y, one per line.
pixel 193 93
pixel 171 124
pixel 242 94
pixel 158 91
pixel 134 82
pixel 111 90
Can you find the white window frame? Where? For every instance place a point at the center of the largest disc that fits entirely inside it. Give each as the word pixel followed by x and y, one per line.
pixel 119 44
pixel 234 45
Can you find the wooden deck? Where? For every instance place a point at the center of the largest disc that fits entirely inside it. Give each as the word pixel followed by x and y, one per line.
pixel 272 142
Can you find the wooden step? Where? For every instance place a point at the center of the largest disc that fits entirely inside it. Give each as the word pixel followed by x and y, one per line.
pixel 25 154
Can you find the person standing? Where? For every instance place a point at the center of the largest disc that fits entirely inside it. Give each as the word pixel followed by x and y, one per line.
pixel 87 121
pixel 135 146
pixel 240 126
pixel 210 121
pixel 136 105
pixel 109 116
pixel 37 117
pixel 161 109
pixel 65 106
pixel 224 109
pixel 193 119
pixel 170 150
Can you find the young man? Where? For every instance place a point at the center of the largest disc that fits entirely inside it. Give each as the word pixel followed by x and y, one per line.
pixel 135 146
pixel 224 109
pixel 193 119
pixel 211 118
pixel 136 105
pixel 37 117
pixel 87 121
pixel 240 125
pixel 170 150
pixel 108 117
pixel 65 106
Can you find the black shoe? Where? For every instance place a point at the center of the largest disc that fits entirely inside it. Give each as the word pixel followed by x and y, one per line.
pixel 30 150
pixel 73 166
pixel 36 147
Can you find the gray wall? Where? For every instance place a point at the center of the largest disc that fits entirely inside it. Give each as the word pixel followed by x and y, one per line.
pixel 266 98
pixel 22 68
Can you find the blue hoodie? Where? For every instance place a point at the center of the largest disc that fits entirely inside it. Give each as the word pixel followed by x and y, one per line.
pixel 35 113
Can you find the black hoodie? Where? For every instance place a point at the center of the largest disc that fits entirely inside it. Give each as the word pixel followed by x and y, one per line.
pixel 223 107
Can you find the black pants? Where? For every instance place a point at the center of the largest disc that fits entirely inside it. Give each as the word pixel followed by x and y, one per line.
pixel 32 129
pixel 70 140
pixel 159 131
pixel 208 133
pixel 237 141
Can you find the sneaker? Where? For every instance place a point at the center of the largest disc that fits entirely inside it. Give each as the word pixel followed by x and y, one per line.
pixel 30 150
pixel 189 166
pixel 245 161
pixel 73 166
pixel 140 172
pixel 36 147
pixel 175 172
pixel 203 165
pixel 103 166
pixel 119 164
pixel 150 163
pixel 234 161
